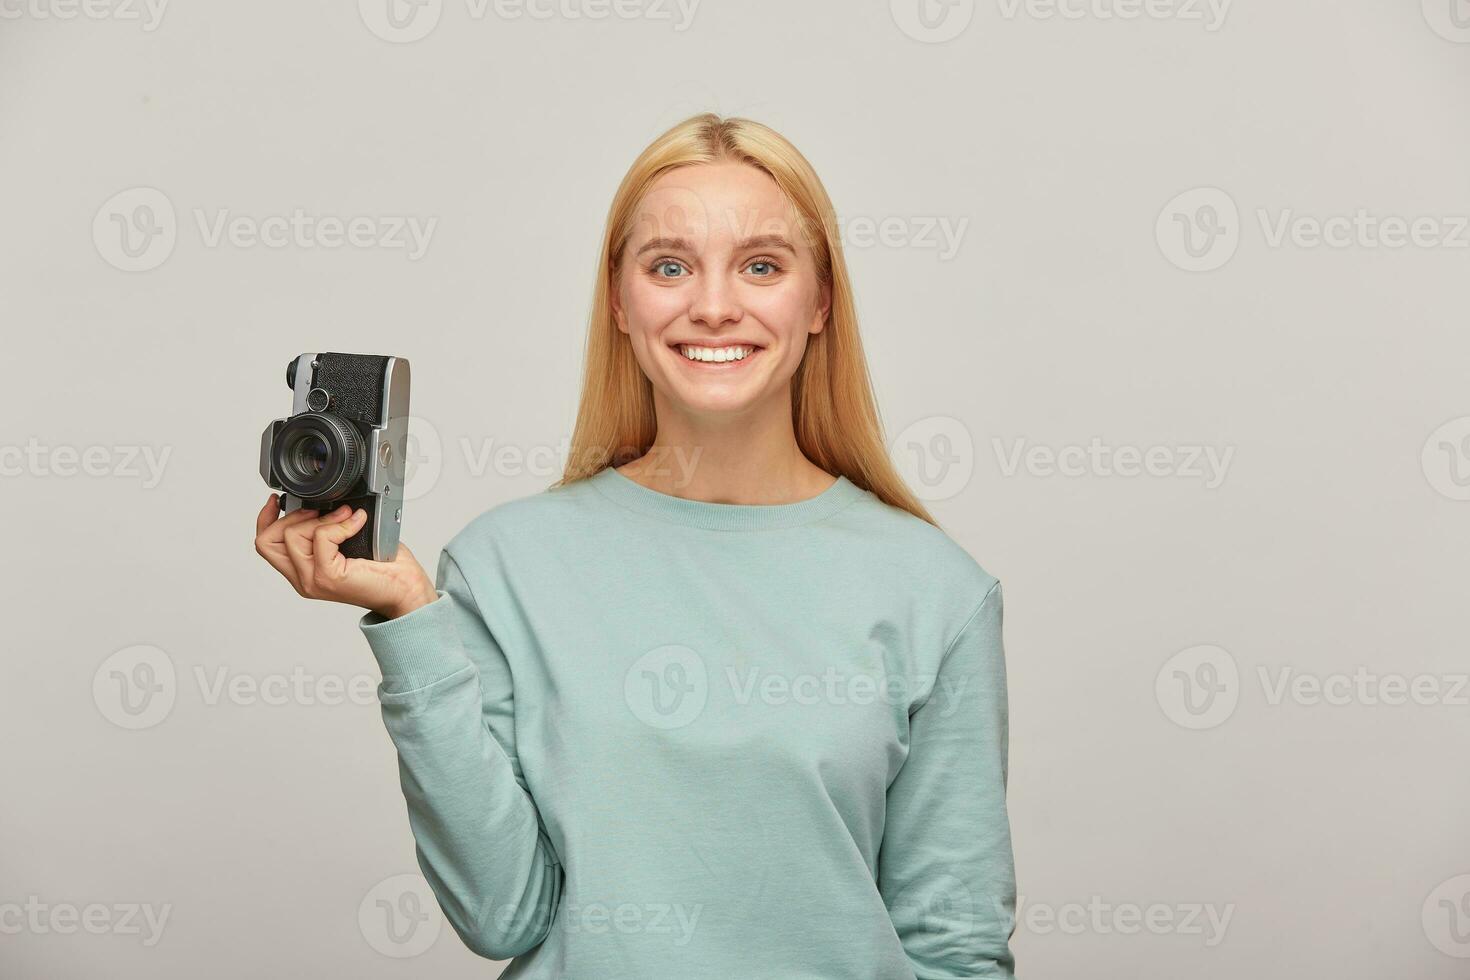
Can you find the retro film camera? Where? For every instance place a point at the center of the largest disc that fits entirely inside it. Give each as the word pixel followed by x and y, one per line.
pixel 345 442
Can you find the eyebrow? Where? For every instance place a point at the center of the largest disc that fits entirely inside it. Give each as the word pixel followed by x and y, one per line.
pixel 682 244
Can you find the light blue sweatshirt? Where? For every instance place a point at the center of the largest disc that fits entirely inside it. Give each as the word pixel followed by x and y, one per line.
pixel 653 738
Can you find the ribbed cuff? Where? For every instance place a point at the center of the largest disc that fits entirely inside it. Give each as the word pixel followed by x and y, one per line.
pixel 418 648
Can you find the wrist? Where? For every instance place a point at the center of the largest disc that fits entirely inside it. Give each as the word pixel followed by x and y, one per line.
pixel 403 607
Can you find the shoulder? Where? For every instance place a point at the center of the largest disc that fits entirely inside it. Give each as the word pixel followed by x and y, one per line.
pixel 918 551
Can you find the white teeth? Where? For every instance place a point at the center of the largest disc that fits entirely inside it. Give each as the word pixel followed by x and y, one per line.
pixel 715 355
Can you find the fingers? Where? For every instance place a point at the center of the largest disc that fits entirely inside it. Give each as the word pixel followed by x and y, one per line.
pixel 298 542
pixel 329 564
pixel 269 538
pixel 268 514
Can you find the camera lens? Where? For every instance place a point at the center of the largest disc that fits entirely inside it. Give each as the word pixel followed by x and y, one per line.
pixel 318 456
pixel 310 456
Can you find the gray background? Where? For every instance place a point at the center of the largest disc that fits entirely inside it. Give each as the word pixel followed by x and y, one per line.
pixel 1333 835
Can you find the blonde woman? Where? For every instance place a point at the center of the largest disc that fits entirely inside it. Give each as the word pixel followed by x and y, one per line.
pixel 724 701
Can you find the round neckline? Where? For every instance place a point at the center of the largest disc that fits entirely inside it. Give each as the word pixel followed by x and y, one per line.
pixel 630 493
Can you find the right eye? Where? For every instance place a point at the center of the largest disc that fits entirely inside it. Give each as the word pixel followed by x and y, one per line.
pixel 662 268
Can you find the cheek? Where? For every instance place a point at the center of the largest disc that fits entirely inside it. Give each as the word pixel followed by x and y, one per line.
pixel 649 307
pixel 785 309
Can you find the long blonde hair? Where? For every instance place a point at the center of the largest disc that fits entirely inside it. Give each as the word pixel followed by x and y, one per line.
pixel 834 413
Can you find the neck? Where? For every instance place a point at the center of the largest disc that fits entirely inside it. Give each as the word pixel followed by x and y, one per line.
pixel 749 458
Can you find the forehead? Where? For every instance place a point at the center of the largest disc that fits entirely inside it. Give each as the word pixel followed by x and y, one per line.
pixel 714 204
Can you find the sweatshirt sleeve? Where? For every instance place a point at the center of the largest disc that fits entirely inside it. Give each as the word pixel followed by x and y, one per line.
pixel 946 869
pixel 448 706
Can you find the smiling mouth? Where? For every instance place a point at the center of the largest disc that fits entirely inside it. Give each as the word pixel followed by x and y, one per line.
pixel 732 354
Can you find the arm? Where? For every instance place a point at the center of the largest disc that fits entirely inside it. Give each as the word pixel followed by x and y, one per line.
pixel 448 706
pixel 945 866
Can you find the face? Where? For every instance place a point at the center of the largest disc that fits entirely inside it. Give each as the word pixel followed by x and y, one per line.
pixel 717 290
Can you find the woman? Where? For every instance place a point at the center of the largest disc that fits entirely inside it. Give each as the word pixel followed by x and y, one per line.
pixel 724 701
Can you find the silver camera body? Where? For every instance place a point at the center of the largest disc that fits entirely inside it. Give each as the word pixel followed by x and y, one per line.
pixel 345 442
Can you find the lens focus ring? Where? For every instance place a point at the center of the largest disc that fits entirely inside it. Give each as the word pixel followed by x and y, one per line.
pixel 318 456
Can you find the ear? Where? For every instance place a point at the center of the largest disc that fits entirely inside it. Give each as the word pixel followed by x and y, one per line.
pixel 615 302
pixel 824 307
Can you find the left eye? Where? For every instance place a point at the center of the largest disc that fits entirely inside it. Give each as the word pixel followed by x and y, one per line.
pixel 769 266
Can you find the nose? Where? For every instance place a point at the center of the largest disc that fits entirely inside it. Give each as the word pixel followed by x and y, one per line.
pixel 714 303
